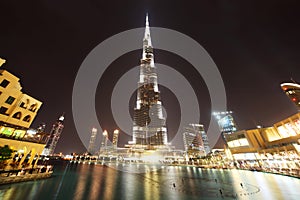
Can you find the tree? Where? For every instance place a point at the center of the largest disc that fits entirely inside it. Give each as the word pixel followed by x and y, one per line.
pixel 5 153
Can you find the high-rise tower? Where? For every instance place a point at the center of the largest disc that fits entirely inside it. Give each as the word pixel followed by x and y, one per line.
pixel 195 140
pixel 55 133
pixel 92 144
pixel 226 124
pixel 149 124
pixel 115 139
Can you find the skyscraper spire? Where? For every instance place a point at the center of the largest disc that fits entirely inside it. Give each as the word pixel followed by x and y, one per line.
pixel 149 126
pixel 147 32
pixel 147 44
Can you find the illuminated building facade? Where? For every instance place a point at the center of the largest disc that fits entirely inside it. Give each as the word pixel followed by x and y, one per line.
pixel 104 139
pixel 226 122
pixel 292 90
pixel 17 109
pixel 55 133
pixel 195 141
pixel 92 145
pixel 17 112
pixel 273 147
pixel 115 139
pixel 149 124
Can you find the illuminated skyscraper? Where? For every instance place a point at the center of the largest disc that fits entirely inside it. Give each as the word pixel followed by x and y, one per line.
pixel 55 133
pixel 292 90
pixel 115 139
pixel 104 142
pixel 149 124
pixel 226 124
pixel 225 121
pixel 92 144
pixel 195 140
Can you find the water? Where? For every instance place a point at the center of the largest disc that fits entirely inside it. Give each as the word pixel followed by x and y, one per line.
pixel 83 181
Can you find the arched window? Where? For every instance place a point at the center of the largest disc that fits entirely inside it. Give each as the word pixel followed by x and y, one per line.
pixel 33 107
pixel 17 115
pixel 27 118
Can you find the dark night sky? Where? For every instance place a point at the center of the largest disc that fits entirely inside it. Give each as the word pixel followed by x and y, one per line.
pixel 255 45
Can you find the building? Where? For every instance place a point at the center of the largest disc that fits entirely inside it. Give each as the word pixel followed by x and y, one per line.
pixel 55 133
pixel 226 125
pixel 272 147
pixel 292 90
pixel 115 139
pixel 104 143
pixel 149 124
pixel 92 144
pixel 17 109
pixel 195 141
pixel 226 122
pixel 17 112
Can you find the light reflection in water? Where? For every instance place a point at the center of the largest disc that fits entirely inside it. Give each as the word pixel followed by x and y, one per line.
pixel 170 182
pixel 96 182
pixel 80 188
pixel 110 181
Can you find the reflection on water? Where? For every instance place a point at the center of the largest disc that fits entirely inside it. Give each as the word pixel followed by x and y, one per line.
pixel 82 181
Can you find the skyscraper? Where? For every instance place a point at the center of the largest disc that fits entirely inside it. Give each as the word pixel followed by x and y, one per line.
pixel 55 133
pixel 226 124
pixel 195 140
pixel 292 90
pixel 225 121
pixel 92 144
pixel 115 139
pixel 104 142
pixel 149 124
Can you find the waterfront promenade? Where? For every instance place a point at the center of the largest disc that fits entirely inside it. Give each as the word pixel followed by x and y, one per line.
pixel 25 174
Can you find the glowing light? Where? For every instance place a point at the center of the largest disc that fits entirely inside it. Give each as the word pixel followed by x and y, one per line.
pixel 105 133
pixel 116 131
pixel 61 118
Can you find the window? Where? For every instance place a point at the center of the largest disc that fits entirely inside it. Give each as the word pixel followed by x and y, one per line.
pixel 22 105
pixel 27 118
pixel 10 100
pixel 33 107
pixel 17 115
pixel 3 110
pixel 4 83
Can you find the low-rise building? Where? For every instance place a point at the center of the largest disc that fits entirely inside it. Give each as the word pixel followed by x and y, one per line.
pixel 17 112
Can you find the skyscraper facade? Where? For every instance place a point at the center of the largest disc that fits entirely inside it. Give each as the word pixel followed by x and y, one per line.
pixel 195 140
pixel 55 133
pixel 149 123
pixel 292 90
pixel 115 138
pixel 92 145
pixel 226 124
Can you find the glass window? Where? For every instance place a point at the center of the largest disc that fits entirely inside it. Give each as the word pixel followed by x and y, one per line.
pixel 3 110
pixel 17 115
pixel 4 83
pixel 10 100
pixel 27 118
pixel 22 105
